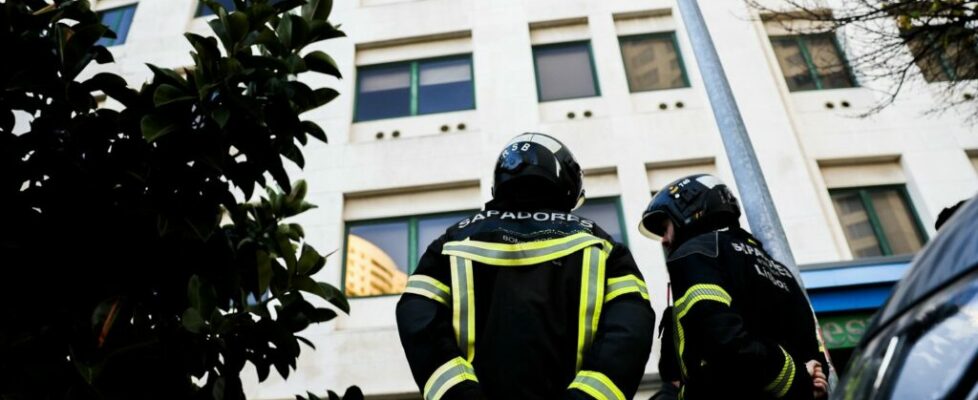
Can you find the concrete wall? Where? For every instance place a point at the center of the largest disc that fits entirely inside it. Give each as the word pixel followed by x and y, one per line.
pixel 629 145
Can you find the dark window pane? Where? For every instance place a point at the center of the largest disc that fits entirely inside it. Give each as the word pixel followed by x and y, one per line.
pixel 377 259
pixel 604 212
pixel 445 85
pixel 564 72
pixel 384 92
pixel 828 61
pixel 896 221
pixel 793 64
pixel 927 54
pixel 652 63
pixel 430 228
pixel 856 225
pixel 203 10
pixel 118 20
pixel 961 55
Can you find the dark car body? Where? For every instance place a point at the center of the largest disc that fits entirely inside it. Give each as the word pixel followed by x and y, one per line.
pixel 923 343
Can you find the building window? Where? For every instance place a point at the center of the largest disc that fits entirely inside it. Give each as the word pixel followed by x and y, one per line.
pixel 118 20
pixel 653 62
pixel 878 221
pixel 812 62
pixel 381 254
pixel 203 10
pixel 606 212
pixel 414 88
pixel 565 71
pixel 945 58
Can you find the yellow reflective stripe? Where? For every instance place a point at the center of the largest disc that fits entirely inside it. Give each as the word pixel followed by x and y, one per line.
pixel 624 285
pixel 449 374
pixel 782 383
pixel 429 287
pixel 597 385
pixel 592 289
pixel 694 294
pixel 463 306
pixel 521 254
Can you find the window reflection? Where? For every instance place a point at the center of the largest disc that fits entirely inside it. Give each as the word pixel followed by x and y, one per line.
pixel 376 259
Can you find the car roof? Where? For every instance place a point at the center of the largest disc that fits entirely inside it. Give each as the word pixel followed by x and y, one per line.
pixel 952 253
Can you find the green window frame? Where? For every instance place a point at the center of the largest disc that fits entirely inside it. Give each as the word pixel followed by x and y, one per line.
pixel 614 201
pixel 414 69
pixel 802 42
pixel 864 193
pixel 414 249
pixel 591 65
pixel 646 36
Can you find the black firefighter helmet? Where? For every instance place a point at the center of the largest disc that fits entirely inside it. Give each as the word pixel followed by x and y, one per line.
pixel 696 204
pixel 535 164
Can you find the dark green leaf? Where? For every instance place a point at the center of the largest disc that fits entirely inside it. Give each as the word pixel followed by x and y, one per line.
pixel 193 292
pixel 264 272
pixel 77 51
pixel 305 341
pixel 166 75
pixel 300 32
pixel 317 10
pixel 321 62
pixel 325 95
pixel 221 115
pixel 268 39
pixel 324 290
pixel 113 86
pixel 169 94
pixel 237 25
pixel 155 126
pixel 102 55
pixel 314 130
pixel 192 321
pixel 353 393
pixel 308 260
pixel 293 153
pixel 81 100
pixel 284 32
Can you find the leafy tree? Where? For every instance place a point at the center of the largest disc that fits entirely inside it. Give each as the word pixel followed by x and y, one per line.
pixel 131 269
pixel 895 45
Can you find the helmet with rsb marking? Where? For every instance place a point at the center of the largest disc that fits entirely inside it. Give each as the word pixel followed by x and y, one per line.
pixel 539 163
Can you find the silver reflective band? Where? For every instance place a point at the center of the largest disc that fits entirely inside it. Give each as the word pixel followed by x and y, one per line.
pixel 597 385
pixel 451 373
pixel 463 306
pixel 429 287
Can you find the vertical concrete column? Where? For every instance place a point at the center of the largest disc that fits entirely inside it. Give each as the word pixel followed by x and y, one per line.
pixel 608 63
pixel 505 87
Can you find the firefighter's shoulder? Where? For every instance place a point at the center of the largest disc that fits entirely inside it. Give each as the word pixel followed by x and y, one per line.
pixel 706 244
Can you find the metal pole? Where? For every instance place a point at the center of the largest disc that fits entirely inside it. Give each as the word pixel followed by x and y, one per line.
pixel 754 194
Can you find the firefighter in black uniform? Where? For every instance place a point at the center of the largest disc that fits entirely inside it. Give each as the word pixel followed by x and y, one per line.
pixel 742 327
pixel 526 300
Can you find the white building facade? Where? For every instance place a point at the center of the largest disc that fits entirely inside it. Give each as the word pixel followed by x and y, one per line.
pixel 433 89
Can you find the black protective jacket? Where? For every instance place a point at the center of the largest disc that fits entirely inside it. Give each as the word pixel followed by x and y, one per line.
pixel 743 328
pixel 536 304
